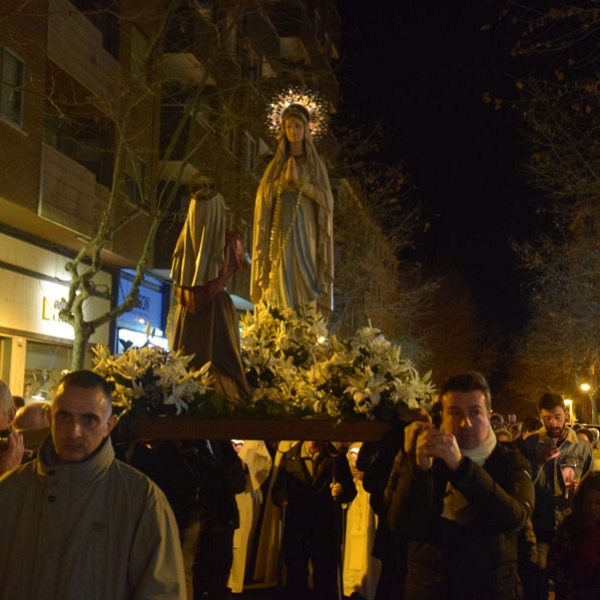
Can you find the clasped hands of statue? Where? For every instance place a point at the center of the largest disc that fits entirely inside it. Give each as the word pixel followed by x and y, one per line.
pixel 291 178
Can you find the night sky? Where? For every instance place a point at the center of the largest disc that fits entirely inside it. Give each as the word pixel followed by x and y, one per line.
pixel 424 69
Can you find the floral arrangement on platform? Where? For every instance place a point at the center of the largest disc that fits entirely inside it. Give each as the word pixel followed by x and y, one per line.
pixel 149 381
pixel 294 366
pixel 277 344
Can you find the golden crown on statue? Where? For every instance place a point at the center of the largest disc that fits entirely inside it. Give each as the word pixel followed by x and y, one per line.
pixel 311 101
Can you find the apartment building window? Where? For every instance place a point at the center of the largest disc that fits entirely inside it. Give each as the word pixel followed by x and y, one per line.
pixel 172 114
pixel 205 8
pixel 253 64
pixel 104 17
pixel 5 350
pixel 250 152
pixel 92 148
pixel 318 26
pixel 207 114
pixel 175 198
pixel 232 140
pixel 12 73
pixel 327 49
pixel 230 36
pixel 140 49
pixel 87 141
pixel 135 181
pixel 267 70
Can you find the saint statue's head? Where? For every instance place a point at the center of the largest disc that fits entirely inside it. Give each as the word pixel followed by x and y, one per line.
pixel 203 186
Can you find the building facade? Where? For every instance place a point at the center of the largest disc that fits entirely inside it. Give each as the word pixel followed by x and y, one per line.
pixel 108 109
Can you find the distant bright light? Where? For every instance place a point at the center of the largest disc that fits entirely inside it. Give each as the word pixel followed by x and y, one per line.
pixel 321 339
pixel 569 407
pixel 585 387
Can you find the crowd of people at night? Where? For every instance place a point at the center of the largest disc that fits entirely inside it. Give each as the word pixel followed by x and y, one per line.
pixel 456 503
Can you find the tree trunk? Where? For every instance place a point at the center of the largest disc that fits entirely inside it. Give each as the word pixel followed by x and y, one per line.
pixel 81 339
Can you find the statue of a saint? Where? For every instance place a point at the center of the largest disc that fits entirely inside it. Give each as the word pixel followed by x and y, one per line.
pixel 292 249
pixel 206 257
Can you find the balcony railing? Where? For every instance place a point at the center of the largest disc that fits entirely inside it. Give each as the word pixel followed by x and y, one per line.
pixel 69 193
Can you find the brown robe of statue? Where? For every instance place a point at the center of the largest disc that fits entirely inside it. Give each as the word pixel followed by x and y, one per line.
pixel 206 324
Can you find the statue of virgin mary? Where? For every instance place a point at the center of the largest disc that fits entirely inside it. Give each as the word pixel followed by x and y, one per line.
pixel 292 250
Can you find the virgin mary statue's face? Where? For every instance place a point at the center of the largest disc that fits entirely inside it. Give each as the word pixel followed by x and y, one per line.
pixel 294 129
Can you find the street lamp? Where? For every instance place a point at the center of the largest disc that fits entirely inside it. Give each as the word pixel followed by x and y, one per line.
pixel 585 387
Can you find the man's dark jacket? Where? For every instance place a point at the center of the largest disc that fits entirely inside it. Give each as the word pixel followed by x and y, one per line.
pixel 473 559
pixel 310 506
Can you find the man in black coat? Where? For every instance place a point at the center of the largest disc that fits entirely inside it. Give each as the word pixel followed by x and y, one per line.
pixel 376 460
pixel 459 500
pixel 313 480
pixel 200 479
pixel 220 476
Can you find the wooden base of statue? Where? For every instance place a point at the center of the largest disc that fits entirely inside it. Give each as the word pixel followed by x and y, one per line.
pixel 186 428
pixel 180 428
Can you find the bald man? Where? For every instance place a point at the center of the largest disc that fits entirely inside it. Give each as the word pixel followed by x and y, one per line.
pixel 32 416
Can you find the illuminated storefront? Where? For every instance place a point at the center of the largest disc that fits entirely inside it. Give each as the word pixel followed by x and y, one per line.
pixel 35 346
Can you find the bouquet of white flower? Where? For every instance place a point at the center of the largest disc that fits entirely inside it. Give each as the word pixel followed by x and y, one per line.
pixel 365 376
pixel 146 380
pixel 276 345
pixel 294 367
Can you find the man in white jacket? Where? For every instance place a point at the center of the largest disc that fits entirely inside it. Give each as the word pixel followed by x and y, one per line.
pixel 78 522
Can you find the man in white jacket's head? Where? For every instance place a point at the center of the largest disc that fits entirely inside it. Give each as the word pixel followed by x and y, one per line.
pixel 81 415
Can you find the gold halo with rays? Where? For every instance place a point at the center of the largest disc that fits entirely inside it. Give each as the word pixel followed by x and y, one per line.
pixel 308 99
